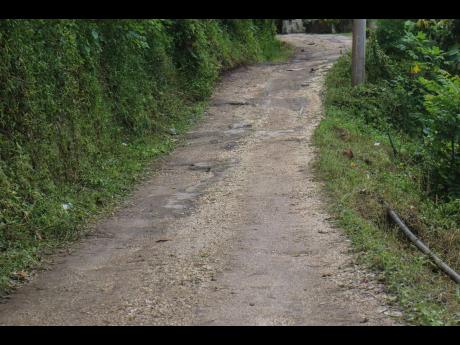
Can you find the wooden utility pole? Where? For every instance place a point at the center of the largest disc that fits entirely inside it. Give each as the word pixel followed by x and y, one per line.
pixel 358 51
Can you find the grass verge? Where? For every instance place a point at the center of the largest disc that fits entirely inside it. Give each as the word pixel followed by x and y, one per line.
pixel 357 164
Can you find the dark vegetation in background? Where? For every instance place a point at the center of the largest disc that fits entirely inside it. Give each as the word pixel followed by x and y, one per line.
pixel 321 26
pixel 86 104
pixel 327 26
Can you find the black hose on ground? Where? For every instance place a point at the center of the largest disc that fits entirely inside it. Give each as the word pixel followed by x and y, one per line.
pixel 420 245
pixel 395 152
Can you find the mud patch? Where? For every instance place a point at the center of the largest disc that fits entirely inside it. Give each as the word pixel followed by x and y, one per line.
pixel 219 103
pixel 240 125
pixel 201 166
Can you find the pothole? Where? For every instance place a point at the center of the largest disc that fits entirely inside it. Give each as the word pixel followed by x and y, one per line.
pixel 231 145
pixel 202 166
pixel 240 125
pixel 218 103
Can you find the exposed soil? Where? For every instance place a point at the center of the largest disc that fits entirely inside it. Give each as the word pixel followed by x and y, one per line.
pixel 230 229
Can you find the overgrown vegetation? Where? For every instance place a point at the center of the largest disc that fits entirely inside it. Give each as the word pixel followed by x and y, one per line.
pixel 424 72
pixel 323 26
pixel 402 127
pixel 86 104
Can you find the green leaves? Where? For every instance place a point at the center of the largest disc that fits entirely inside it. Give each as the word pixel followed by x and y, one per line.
pixel 425 58
pixel 139 40
pixel 442 103
pixel 95 34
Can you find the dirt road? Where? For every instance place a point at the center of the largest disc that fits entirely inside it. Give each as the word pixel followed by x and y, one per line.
pixel 230 229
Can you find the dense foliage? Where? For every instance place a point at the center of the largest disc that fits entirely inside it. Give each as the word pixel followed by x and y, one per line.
pixel 322 26
pixel 361 186
pixel 429 51
pixel 412 97
pixel 84 104
pixel 413 87
pixel 403 127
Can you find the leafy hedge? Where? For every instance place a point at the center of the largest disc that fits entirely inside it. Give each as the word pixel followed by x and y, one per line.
pixel 83 103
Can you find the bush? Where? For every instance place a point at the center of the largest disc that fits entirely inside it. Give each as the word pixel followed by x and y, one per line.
pixel 378 64
pixel 426 94
pixel 389 32
pixel 442 132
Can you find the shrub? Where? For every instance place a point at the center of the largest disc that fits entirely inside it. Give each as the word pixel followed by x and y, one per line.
pixel 389 32
pixel 442 132
pixel 425 96
pixel 378 64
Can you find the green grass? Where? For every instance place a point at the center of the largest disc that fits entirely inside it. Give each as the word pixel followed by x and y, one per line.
pixel 357 187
